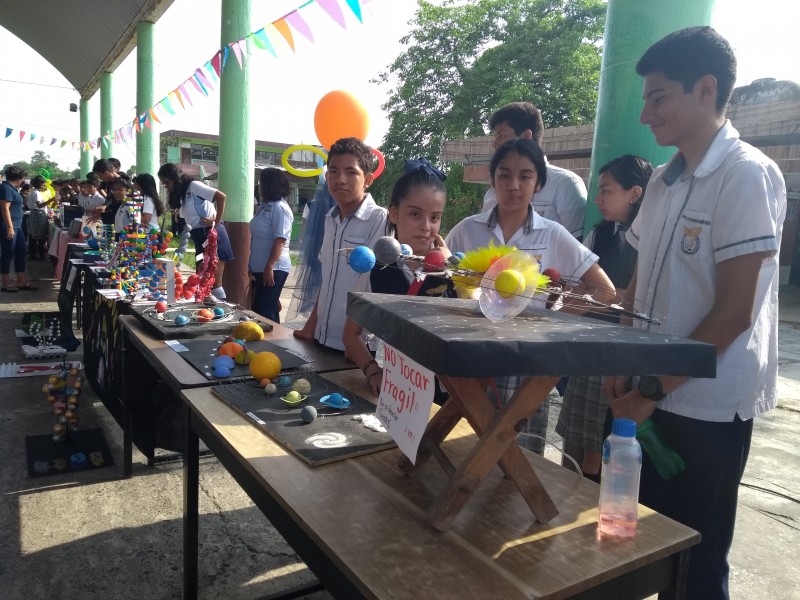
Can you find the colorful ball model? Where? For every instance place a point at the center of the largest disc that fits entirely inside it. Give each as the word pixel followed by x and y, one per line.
pixel 361 259
pixel 265 365
pixel 181 320
pixel 161 307
pixel 204 315
pixel 509 283
pixel 230 349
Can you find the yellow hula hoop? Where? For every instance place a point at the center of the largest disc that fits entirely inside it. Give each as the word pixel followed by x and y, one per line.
pixel 302 172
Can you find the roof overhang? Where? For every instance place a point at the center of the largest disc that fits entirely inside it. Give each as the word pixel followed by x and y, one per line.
pixel 81 38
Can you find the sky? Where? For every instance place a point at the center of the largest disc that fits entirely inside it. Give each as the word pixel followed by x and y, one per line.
pixel 286 90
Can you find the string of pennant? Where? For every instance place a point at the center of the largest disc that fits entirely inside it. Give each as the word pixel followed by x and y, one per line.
pixel 204 79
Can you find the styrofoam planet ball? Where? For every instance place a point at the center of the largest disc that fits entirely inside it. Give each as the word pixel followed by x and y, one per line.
pixel 509 282
pixel 181 320
pixel 219 312
pixel 406 250
pixel 283 381
pixel 302 386
pixel 387 250
pixel 223 361
pixel 221 372
pixel 308 414
pixel 270 388
pixel 361 259
pixel 161 307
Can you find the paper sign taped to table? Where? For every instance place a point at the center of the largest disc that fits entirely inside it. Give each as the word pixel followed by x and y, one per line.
pixel 405 401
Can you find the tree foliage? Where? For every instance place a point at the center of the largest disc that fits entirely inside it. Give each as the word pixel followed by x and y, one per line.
pixel 41 163
pixel 464 60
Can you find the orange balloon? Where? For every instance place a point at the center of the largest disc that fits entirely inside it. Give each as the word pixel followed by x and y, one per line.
pixel 338 115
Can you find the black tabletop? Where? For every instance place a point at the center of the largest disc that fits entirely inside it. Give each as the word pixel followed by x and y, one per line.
pixel 452 337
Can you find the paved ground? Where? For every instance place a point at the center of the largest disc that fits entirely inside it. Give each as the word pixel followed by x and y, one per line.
pixel 92 536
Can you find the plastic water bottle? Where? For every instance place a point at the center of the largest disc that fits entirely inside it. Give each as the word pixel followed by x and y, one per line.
pixel 619 487
pixel 667 462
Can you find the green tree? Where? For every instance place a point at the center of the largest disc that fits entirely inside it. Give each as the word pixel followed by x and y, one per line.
pixel 41 164
pixel 465 60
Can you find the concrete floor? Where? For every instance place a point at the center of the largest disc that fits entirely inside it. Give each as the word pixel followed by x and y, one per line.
pixel 94 536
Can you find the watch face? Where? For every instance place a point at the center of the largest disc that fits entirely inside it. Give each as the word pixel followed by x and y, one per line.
pixel 648 386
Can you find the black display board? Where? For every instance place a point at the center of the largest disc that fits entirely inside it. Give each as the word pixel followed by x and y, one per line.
pixel 333 435
pixel 201 353
pixel 452 337
pixel 167 329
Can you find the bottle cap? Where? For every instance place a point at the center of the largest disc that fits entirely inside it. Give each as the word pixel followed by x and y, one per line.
pixel 624 428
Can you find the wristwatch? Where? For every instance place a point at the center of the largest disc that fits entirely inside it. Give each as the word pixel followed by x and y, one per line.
pixel 650 387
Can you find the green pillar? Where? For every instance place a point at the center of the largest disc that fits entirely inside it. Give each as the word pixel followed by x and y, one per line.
pixel 236 148
pixel 86 157
pixel 106 115
pixel 146 139
pixel 632 26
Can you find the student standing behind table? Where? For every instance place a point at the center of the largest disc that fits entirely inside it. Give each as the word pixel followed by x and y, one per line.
pixel 708 237
pixel 620 190
pixel 12 242
pixel 90 199
pixel 518 172
pixel 202 208
pixel 355 221
pixel 564 198
pixel 107 172
pixel 152 205
pixel 415 215
pixel 37 219
pixel 270 233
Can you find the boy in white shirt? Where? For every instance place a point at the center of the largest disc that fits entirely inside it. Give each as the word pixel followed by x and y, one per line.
pixel 356 220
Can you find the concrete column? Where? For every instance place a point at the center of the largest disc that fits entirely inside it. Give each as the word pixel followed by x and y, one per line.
pixel 632 26
pixel 106 114
pixel 236 150
pixel 86 157
pixel 146 139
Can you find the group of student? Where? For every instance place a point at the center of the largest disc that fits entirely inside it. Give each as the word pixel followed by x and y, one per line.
pixel 695 240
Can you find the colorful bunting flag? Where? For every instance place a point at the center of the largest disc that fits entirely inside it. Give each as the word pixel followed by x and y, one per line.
pixel 211 71
pixel 283 28
pixel 334 12
pixel 295 20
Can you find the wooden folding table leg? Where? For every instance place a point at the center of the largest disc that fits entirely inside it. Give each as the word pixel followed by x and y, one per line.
pixel 437 429
pixel 497 436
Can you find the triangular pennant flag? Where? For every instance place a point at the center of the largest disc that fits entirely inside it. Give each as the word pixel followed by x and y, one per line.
pixel 201 87
pixel 332 8
pixel 183 93
pixel 204 80
pixel 148 121
pixel 283 29
pixel 153 116
pixel 355 7
pixel 64 143
pixel 262 41
pixel 212 74
pixel 53 141
pixel 21 135
pixel 295 20
pixel 178 96
pixel 217 64
pixel 225 54
pixel 33 137
pixel 41 139
pixel 167 106
pixel 197 85
pixel 9 131
pixel 243 48
pixel 238 52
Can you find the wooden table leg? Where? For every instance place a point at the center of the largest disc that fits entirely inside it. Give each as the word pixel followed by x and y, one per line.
pixel 497 434
pixel 438 428
pixel 191 501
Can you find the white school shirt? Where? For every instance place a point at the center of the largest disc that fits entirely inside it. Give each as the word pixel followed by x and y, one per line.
pixel 733 205
pixel 362 228
pixel 198 203
pixel 149 206
pixel 562 199
pixel 90 202
pixel 547 241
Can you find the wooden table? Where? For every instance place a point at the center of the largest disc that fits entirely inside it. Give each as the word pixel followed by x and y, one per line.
pixel 178 374
pixel 361 527
pixel 465 349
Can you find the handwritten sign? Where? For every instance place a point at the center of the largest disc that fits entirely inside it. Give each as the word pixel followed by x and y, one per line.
pixel 405 401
